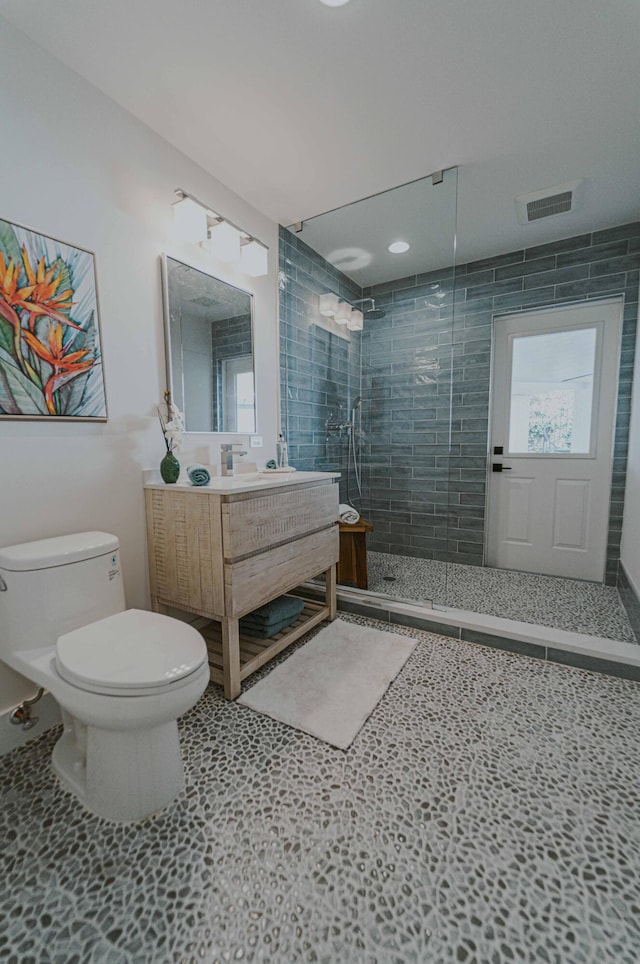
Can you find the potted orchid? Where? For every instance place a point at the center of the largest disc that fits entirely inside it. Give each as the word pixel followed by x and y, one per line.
pixel 172 427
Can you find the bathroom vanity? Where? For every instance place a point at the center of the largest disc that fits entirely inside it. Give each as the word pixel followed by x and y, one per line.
pixel 223 550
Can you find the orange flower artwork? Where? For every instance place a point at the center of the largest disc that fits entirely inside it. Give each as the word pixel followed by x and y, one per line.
pixel 50 342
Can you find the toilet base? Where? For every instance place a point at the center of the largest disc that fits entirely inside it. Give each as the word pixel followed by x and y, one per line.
pixel 123 775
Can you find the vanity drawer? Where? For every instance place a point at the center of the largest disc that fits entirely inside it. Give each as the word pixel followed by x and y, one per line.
pixel 257 523
pixel 254 581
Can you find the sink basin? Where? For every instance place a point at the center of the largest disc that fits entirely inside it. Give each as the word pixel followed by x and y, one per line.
pixel 246 481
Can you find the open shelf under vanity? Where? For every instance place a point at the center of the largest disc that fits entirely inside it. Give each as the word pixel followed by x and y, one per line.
pixel 255 651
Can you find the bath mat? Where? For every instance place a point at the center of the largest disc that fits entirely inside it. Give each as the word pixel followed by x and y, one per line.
pixel 329 687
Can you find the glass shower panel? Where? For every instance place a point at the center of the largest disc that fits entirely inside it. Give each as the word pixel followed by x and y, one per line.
pixel 471 320
pixel 319 360
pixel 375 403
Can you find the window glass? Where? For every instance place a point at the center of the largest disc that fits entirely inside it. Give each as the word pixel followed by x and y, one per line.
pixel 552 392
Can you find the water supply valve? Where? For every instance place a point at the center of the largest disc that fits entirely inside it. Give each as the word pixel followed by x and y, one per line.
pixel 21 716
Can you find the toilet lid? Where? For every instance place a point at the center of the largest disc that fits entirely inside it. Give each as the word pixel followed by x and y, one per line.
pixel 132 650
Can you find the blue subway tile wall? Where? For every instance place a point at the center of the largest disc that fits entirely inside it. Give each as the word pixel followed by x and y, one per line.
pixel 425 374
pixel 441 366
pixel 319 370
pixel 407 368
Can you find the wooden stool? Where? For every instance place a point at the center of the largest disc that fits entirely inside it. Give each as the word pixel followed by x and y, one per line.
pixel 352 566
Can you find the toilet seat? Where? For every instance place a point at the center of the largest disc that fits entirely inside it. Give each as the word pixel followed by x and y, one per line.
pixel 132 653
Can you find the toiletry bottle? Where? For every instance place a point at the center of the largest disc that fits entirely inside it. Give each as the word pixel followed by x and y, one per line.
pixel 281 452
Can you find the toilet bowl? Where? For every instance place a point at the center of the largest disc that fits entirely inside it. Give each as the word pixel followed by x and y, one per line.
pixel 121 679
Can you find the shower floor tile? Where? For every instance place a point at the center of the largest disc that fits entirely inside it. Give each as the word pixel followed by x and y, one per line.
pixel 580 607
pixel 486 812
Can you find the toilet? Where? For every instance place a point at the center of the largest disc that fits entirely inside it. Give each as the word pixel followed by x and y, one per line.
pixel 122 677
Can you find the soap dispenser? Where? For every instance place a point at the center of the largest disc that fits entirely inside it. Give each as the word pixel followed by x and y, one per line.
pixel 281 452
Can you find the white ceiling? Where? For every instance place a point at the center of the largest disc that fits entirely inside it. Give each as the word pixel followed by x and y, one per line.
pixel 355 237
pixel 300 107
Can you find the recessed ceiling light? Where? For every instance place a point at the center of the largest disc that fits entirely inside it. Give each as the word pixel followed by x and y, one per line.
pixel 399 247
pixel 334 3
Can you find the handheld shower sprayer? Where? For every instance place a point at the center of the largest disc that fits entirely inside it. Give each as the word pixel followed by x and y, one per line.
pixel 351 450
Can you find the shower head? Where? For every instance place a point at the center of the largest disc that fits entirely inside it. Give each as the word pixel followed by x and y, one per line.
pixel 375 313
pixel 372 313
pixel 357 403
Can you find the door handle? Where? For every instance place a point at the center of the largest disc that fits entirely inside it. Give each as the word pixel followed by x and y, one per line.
pixel 499 467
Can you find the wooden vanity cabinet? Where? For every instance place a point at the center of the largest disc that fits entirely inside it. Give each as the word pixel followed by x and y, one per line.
pixel 222 553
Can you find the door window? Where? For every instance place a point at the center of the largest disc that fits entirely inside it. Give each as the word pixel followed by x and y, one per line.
pixel 239 394
pixel 551 392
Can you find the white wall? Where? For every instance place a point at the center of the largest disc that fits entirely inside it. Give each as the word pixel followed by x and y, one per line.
pixel 76 166
pixel 630 546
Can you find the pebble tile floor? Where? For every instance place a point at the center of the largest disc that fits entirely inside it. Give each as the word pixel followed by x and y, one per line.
pixel 487 812
pixel 581 607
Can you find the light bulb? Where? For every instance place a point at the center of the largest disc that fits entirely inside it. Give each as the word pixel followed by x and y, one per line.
pixel 356 322
pixel 189 221
pixel 254 259
pixel 328 304
pixel 343 314
pixel 399 247
pixel 224 242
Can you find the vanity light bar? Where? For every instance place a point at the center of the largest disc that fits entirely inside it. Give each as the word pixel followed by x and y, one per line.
pixel 196 222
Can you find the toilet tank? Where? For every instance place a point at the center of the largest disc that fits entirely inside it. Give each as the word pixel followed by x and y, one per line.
pixel 54 586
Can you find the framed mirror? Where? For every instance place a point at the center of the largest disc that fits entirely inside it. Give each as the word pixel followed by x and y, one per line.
pixel 209 349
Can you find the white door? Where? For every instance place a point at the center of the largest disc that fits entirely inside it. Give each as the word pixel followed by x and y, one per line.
pixel 555 382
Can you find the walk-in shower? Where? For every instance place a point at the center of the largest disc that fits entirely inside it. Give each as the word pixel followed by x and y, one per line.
pixel 402 408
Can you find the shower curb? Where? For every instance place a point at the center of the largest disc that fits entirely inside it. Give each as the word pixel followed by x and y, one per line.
pixel 629 597
pixel 559 646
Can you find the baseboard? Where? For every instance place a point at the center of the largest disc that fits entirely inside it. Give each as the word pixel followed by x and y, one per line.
pixel 12 736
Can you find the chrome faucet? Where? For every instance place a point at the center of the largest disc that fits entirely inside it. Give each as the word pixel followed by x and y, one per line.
pixel 227 450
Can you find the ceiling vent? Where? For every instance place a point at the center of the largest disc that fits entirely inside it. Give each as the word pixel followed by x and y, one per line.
pixel 562 199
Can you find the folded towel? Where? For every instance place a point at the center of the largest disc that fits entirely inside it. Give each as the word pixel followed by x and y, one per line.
pixel 276 611
pixel 250 628
pixel 348 514
pixel 198 474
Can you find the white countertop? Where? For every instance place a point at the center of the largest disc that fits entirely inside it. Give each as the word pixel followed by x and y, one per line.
pixel 243 482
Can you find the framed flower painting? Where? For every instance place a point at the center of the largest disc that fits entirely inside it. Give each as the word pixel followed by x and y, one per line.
pixel 50 344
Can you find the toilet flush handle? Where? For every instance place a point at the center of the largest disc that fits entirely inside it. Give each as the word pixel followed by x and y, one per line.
pixel 3 585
